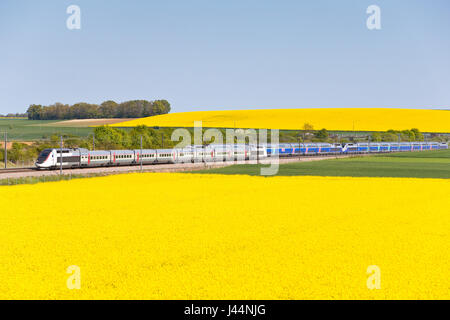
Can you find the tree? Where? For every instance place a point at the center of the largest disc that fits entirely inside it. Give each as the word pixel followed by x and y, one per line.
pixel 165 106
pixel 160 107
pixel 389 137
pixel 322 134
pixel 417 134
pixel 408 135
pixel 307 128
pixel 108 109
pixel 376 137
pixel 109 138
pixel 34 112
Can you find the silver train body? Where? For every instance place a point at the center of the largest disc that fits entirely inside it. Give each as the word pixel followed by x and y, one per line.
pixel 80 158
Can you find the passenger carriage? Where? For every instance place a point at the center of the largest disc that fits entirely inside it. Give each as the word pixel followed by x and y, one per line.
pixel 121 157
pixel 404 146
pixel 185 155
pixel 374 147
pixel 147 156
pixel 385 147
pixel 241 152
pixel 222 152
pixel 394 146
pixel 312 149
pixel 166 156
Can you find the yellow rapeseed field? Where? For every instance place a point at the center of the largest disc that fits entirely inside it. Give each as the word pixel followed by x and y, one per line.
pixel 192 236
pixel 350 119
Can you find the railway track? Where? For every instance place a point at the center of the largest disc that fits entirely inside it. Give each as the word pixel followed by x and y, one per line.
pixel 14 170
pixel 157 167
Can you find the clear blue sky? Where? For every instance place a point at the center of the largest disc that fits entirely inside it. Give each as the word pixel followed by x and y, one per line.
pixel 226 54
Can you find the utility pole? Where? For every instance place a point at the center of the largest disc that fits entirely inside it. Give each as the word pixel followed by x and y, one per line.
pixel 141 154
pixel 257 146
pixel 6 150
pixel 93 141
pixel 60 156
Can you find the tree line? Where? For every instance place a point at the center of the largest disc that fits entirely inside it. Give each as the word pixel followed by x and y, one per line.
pixel 107 109
pixel 13 115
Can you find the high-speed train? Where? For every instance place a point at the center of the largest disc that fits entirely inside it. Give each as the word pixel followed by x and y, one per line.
pixel 79 158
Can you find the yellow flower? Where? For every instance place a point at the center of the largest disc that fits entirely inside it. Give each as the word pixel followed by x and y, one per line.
pixel 193 236
pixel 351 119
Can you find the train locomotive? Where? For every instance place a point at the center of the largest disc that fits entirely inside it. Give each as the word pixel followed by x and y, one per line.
pixel 81 158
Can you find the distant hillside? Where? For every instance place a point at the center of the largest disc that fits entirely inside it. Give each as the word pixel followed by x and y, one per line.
pixel 346 119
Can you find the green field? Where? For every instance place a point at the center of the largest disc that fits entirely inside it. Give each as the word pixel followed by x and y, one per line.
pixel 427 164
pixel 438 154
pixel 26 130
